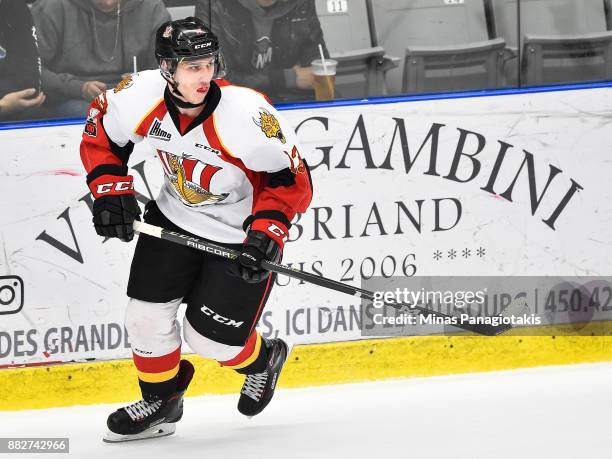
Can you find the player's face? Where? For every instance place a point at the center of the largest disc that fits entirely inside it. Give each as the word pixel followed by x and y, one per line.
pixel 194 78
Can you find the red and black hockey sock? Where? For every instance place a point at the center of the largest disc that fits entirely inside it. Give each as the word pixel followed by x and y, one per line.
pixel 157 376
pixel 252 358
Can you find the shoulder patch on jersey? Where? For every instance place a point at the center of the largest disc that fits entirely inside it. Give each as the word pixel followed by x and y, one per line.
pixel 123 84
pixel 101 103
pixel 91 123
pixel 270 126
pixel 297 165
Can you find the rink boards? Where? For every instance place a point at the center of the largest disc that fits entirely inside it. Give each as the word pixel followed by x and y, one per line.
pixel 309 365
pixel 507 185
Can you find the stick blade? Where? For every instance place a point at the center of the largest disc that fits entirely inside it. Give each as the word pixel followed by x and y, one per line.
pixel 518 306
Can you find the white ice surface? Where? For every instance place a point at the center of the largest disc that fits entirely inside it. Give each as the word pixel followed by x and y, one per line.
pixel 552 412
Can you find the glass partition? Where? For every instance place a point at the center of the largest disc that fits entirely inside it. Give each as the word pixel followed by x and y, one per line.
pixel 445 45
pixel 564 41
pixel 303 50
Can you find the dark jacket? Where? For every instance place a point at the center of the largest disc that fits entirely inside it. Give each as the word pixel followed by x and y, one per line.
pixel 294 36
pixel 19 60
pixel 79 43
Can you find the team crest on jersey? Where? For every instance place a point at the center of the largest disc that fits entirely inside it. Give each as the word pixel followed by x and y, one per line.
pixel 297 166
pixel 269 125
pixel 91 123
pixel 190 179
pixel 123 84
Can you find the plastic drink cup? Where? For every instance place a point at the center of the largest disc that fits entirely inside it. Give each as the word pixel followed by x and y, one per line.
pixel 324 78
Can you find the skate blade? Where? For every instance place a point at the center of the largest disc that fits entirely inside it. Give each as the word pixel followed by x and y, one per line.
pixel 161 430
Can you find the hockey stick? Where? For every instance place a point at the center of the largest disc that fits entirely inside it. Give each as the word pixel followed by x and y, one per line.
pixel 231 254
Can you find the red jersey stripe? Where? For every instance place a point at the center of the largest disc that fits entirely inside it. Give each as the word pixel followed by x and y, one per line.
pixel 210 131
pixel 163 157
pixel 189 165
pixel 158 111
pixel 207 174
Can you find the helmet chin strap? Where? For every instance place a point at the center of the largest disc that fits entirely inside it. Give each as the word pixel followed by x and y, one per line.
pixel 174 93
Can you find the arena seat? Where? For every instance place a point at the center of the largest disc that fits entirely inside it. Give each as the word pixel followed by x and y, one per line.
pixel 180 12
pixel 362 66
pixel 344 30
pixel 445 45
pixel 559 41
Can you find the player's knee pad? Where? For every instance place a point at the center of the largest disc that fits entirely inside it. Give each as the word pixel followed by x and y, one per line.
pixel 239 358
pixel 152 327
pixel 208 346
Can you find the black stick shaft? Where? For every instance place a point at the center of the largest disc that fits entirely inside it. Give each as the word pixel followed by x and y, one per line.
pixel 231 254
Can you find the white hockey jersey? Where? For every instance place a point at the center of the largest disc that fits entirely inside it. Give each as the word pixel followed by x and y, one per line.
pixel 238 159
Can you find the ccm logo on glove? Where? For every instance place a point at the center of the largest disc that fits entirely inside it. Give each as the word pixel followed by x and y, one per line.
pixel 278 232
pixel 106 185
pixel 117 186
pixel 274 229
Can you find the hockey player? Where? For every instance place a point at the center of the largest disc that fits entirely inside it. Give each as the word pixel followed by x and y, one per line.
pixel 232 174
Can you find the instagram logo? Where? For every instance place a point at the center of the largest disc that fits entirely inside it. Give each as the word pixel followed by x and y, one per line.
pixel 11 294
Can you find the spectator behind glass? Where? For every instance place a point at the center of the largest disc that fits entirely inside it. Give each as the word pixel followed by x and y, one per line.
pixel 89 45
pixel 267 44
pixel 19 63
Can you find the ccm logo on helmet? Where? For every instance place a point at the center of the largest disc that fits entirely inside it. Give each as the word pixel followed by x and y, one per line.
pixel 219 318
pixel 104 188
pixel 202 45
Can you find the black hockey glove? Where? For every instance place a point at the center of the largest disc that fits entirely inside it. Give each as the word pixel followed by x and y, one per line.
pixel 115 207
pixel 113 216
pixel 257 247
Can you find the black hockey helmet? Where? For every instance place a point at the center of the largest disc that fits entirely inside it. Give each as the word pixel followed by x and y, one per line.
pixel 186 39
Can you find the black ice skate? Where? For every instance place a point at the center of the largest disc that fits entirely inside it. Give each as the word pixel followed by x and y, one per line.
pixel 150 418
pixel 258 388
